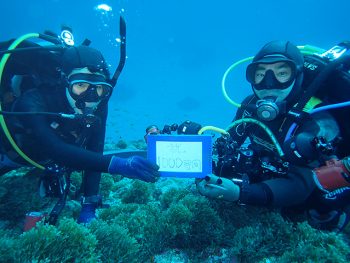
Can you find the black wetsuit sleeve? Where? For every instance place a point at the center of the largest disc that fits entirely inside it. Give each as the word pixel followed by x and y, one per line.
pixel 58 150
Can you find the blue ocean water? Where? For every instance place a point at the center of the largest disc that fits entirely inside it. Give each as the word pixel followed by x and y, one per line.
pixel 178 50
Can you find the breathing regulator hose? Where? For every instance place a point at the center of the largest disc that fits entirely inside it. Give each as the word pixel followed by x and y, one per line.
pixel 212 128
pixel 246 120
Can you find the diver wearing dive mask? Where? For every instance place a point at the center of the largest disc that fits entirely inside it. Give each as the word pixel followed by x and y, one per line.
pixel 86 89
pixel 52 136
pixel 276 80
pixel 272 83
pixel 88 79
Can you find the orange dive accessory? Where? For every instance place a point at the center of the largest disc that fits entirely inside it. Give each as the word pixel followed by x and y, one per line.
pixel 335 174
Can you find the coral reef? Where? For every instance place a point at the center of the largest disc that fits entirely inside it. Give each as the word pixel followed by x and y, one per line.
pixel 106 184
pixel 64 243
pixel 310 245
pixel 7 246
pixel 115 244
pixel 138 192
pixel 158 222
pixel 19 195
pixel 121 144
pixel 139 144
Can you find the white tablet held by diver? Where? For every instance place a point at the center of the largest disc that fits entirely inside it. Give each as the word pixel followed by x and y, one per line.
pixel 181 155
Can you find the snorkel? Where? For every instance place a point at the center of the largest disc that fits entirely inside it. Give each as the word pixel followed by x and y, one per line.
pixel 59 44
pixel 122 33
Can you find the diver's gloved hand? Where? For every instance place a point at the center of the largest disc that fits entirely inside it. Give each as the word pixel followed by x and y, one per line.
pixel 217 187
pixel 134 167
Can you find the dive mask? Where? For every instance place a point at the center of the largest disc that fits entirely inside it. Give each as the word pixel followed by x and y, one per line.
pixel 89 87
pixel 276 75
pixel 272 82
pixel 90 92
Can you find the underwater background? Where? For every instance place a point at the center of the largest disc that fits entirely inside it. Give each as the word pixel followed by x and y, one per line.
pixel 178 50
pixel 177 53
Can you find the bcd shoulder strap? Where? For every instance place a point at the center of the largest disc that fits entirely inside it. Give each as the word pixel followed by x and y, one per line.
pixel 299 113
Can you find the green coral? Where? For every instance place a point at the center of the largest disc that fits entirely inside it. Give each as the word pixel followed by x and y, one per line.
pixel 75 181
pixel 314 246
pixel 146 225
pixel 109 214
pixel 106 185
pixel 69 242
pixel 275 240
pixel 20 195
pixel 173 195
pixel 206 225
pixel 139 192
pixel 178 220
pixel 114 242
pixel 147 221
pixel 70 210
pixel 139 144
pixel 121 144
pixel 7 246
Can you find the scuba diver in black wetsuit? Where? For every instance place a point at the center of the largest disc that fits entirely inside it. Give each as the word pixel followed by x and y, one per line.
pixel 294 159
pixel 59 118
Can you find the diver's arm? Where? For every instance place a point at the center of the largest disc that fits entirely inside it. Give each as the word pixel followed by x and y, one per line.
pixel 66 154
pixel 134 167
pixel 52 145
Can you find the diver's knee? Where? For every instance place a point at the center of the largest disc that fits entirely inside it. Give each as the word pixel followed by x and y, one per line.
pixel 256 194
